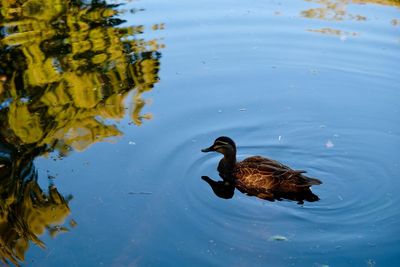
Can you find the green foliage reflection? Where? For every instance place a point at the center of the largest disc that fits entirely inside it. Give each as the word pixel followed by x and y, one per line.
pixel 65 67
pixel 340 10
pixel 26 211
pixel 66 70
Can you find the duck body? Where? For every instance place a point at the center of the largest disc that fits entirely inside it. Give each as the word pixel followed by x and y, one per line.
pixel 268 178
pixel 260 176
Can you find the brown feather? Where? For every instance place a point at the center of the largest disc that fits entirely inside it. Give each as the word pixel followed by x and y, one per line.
pixel 258 175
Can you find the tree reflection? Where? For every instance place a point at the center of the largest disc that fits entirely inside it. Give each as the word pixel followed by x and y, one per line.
pixel 66 71
pixel 26 212
pixel 338 10
pixel 66 68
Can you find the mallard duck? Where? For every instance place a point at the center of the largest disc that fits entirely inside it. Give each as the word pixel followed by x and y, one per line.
pixel 259 176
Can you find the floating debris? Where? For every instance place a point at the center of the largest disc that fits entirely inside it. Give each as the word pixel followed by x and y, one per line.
pixel 395 22
pixel 329 144
pixel 73 223
pixel 280 138
pixel 371 263
pixel 278 238
pixel 140 193
pixel 242 109
pixel 131 143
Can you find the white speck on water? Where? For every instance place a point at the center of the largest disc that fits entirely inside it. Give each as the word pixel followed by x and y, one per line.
pixel 340 197
pixel 322 126
pixel 242 109
pixel 131 143
pixel 280 138
pixel 329 144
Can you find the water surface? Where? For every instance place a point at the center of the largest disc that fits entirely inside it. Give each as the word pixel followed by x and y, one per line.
pixel 105 108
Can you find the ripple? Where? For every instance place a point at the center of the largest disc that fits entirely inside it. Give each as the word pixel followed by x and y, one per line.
pixel 319 103
pixel 357 188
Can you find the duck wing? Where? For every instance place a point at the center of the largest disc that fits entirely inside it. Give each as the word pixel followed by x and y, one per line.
pixel 259 172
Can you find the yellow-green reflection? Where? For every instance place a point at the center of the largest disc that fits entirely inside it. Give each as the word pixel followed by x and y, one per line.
pixel 330 31
pixel 26 212
pixel 66 70
pixel 338 10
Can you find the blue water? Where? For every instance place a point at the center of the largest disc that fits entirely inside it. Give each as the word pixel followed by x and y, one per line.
pixel 257 72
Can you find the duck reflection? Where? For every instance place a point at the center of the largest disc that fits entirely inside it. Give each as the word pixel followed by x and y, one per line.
pixel 257 176
pixel 26 211
pixel 222 189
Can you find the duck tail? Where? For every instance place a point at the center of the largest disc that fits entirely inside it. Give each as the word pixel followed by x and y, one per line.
pixel 314 181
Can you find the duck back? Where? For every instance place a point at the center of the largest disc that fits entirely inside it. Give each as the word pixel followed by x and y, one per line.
pixel 258 175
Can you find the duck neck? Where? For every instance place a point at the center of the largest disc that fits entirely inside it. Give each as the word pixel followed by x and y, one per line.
pixel 228 163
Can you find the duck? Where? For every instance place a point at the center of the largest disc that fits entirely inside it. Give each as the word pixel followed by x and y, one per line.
pixel 258 176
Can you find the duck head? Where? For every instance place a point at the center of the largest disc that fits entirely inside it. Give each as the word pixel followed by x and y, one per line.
pixel 227 147
pixel 223 145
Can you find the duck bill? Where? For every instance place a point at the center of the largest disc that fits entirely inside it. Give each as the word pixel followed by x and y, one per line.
pixel 209 149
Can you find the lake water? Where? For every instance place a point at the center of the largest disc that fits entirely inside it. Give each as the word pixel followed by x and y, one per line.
pixel 104 110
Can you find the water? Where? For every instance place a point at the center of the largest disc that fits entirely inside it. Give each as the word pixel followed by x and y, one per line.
pixel 313 84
